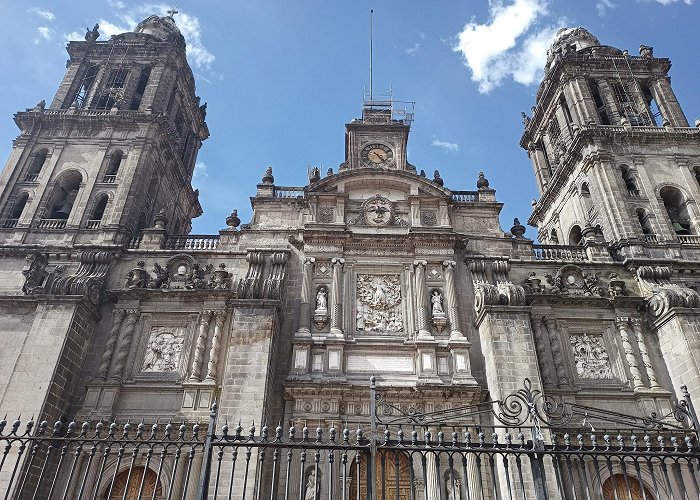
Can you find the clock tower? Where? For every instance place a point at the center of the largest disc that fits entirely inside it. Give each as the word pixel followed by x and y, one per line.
pixel 379 138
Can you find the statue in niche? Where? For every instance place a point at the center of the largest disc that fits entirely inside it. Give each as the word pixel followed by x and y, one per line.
pixel 311 487
pixel 321 299
pixel 436 301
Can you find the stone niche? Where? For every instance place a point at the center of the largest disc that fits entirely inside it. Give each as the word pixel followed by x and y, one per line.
pixel 378 304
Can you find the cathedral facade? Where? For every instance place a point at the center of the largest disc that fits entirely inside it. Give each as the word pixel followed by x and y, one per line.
pixel 112 311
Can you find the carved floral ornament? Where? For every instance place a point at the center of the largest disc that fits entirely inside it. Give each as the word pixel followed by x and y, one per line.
pixel 572 281
pixel 180 272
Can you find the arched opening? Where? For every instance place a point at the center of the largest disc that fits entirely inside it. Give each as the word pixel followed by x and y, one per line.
pixel 554 237
pixel 625 486
pixel 585 191
pixel 630 182
pixel 453 485
pixel 389 463
pixel 644 222
pixel 575 237
pixel 141 484
pixel 115 162
pixel 652 106
pixel 36 165
pixel 696 171
pixel 64 194
pixel 677 209
pixel 17 209
pixel 98 212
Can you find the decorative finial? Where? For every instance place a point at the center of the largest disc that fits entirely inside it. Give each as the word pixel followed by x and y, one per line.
pixel 172 12
pixel 268 178
pixel 40 106
pixel 314 175
pixel 330 172
pixel 232 221
pixel 160 219
pixel 646 51
pixel 93 34
pixel 482 182
pixel 437 179
pixel 518 230
pixel 422 173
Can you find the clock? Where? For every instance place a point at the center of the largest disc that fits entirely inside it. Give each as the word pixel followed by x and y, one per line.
pixel 377 154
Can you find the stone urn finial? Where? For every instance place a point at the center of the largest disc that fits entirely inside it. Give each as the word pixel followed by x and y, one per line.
pixel 159 219
pixel 482 182
pixel 518 230
pixel 330 172
pixel 422 173
pixel 268 178
pixel 232 221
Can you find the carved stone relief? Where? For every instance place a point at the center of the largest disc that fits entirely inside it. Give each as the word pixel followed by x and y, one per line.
pixel 428 218
pixel 591 357
pixel 379 303
pixel 326 215
pixel 378 212
pixel 163 350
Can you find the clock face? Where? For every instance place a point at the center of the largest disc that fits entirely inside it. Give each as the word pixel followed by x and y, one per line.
pixel 377 154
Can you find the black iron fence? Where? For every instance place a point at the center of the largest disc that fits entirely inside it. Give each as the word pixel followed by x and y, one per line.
pixel 525 446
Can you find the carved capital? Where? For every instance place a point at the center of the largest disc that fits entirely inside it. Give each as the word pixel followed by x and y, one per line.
pixel 420 263
pixel 338 261
pixel 309 260
pixel 621 322
pixel 449 264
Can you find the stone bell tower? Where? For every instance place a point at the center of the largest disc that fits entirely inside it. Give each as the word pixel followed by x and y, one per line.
pixel 117 144
pixel 613 155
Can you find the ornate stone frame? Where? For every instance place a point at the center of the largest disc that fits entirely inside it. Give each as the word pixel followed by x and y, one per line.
pixel 599 329
pixel 377 270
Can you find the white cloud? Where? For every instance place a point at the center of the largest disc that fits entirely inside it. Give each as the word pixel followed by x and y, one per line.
pixel 451 147
pixel 669 2
pixel 45 34
pixel 108 29
pixel 411 51
pixel 491 50
pixel 603 6
pixel 73 35
pixel 44 14
pixel 200 170
pixel 117 4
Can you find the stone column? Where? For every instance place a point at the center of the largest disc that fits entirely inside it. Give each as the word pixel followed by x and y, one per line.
pixel 196 370
pixel 557 353
pixel 542 355
pixel 621 324
pixel 474 485
pixel 306 297
pixel 451 299
pixel 432 480
pixel 421 301
pixel 117 318
pixel 215 346
pixel 336 298
pixel 117 372
pixel 646 360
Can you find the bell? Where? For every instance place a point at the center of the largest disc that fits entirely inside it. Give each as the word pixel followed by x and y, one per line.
pixel 679 229
pixel 64 211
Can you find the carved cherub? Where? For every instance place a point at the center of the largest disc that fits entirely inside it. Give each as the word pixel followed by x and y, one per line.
pixel 162 277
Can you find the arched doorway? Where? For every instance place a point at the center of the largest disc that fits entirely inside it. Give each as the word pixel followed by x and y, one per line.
pixel 132 489
pixel 616 487
pixel 389 461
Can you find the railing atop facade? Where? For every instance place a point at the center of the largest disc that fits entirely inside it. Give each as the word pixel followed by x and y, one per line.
pixel 288 192
pixel 193 242
pixel 9 223
pixel 634 193
pixel 135 241
pixel 559 252
pixel 651 238
pixel 93 224
pixel 91 112
pixel 51 224
pixel 109 179
pixel 688 239
pixel 465 196
pixel 524 446
pixel 31 177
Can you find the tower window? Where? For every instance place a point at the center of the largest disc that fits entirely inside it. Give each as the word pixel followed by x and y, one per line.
pixel 553 237
pixel 64 194
pixel 117 78
pixel 585 191
pixel 547 163
pixel 575 237
pixel 627 105
pixel 630 183
pixel 565 107
pixel 677 210
pixel 86 85
pixel 652 105
pixel 98 212
pixel 644 221
pixel 115 162
pixel 599 104
pixel 17 210
pixel 36 165
pixel 140 88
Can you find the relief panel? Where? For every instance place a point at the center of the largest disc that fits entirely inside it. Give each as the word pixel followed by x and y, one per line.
pixel 379 303
pixel 591 357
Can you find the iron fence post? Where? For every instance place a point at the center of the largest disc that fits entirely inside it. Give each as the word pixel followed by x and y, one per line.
pixel 537 460
pixel 691 409
pixel 206 459
pixel 372 468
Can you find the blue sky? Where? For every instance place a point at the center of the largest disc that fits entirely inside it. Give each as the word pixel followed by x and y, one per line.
pixel 282 77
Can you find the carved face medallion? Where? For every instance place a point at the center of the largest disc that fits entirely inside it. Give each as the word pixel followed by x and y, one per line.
pixel 378 211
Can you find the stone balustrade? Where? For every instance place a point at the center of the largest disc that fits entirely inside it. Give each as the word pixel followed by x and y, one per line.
pixel 193 242
pixel 288 192
pixel 465 196
pixel 51 224
pixel 559 252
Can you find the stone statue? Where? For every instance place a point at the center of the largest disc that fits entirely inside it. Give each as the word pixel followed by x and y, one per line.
pixel 321 299
pixel 162 278
pixel 526 119
pixel 93 34
pixel 138 277
pixel 646 51
pixel 163 353
pixel 436 300
pixel 311 487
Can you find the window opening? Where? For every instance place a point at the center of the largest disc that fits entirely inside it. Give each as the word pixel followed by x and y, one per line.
pixel 575 237
pixel 140 88
pixel 652 105
pixel 36 166
pixel 86 85
pixel 565 106
pixel 677 210
pixel 599 104
pixel 554 237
